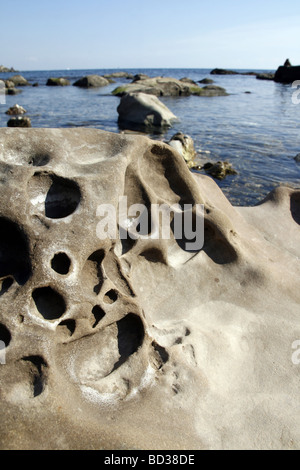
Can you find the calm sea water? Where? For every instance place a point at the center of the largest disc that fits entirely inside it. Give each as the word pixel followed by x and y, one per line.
pixel 258 132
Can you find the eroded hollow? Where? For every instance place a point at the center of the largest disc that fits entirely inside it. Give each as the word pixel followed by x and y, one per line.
pixel 49 303
pixel 111 296
pixel 295 207
pixel 98 314
pixel 5 335
pixel 38 374
pixel 14 252
pixel 130 337
pixel 62 198
pixel 67 327
pixel 39 160
pixel 61 263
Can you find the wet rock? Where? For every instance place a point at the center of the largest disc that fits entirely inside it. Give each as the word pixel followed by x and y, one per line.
pixel 126 75
pixel 15 110
pixel 58 82
pixel 297 158
pixel 265 76
pixel 218 170
pixel 19 121
pixel 188 80
pixel 143 110
pixel 206 81
pixel 287 74
pixel 94 81
pixel 184 144
pixel 223 72
pixel 140 76
pixel 164 86
pixel 19 80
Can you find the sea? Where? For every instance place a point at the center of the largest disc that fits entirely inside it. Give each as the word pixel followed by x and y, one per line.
pixel 256 127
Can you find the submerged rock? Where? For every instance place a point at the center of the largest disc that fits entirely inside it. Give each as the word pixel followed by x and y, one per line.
pixel 58 82
pixel 19 121
pixel 297 158
pixel 127 339
pixel 16 109
pixel 223 72
pixel 144 110
pixel 92 81
pixel 206 81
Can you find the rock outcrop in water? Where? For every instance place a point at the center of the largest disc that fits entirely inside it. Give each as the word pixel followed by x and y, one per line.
pixel 165 86
pixel 58 81
pixel 143 111
pixel 141 343
pixel 94 81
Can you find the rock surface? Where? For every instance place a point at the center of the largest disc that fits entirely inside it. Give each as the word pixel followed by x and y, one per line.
pixel 92 81
pixel 184 144
pixel 6 69
pixel 219 170
pixel 265 76
pixel 141 344
pixel 143 110
pixel 19 121
pixel 287 74
pixel 19 80
pixel 118 75
pixel 164 86
pixel 15 110
pixel 58 82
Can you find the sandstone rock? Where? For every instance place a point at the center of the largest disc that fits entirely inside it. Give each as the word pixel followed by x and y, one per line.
pixel 9 84
pixel 16 109
pixel 119 75
pixel 144 110
pixel 265 76
pixel 6 69
pixel 223 72
pixel 140 76
pixel 18 80
pixel 141 343
pixel 184 144
pixel 58 82
pixel 206 81
pixel 287 74
pixel 164 86
pixel 91 81
pixel 219 170
pixel 19 121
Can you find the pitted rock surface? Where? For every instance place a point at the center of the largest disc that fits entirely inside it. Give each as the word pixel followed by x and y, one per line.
pixel 140 344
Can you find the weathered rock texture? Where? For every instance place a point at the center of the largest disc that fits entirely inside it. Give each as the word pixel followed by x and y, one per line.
pixel 93 81
pixel 165 86
pixel 141 344
pixel 140 109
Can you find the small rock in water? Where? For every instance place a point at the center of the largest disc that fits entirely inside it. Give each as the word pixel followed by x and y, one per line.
pixel 15 110
pixel 218 170
pixel 185 146
pixel 19 121
pixel 297 158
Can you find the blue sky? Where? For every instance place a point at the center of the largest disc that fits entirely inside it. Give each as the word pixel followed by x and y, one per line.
pixel 42 35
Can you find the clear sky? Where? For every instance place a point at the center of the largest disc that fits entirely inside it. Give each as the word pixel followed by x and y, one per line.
pixel 60 34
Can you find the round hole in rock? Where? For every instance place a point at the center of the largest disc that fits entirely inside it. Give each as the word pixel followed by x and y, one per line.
pixel 61 263
pixel 62 198
pixel 5 335
pixel 14 252
pixel 49 303
pixel 111 296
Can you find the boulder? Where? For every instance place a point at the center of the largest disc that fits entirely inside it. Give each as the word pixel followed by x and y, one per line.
pixel 188 80
pixel 19 80
pixel 297 158
pixel 6 69
pixel 206 81
pixel 184 145
pixel 9 84
pixel 265 76
pixel 15 110
pixel 223 72
pixel 126 75
pixel 13 91
pixel 117 343
pixel 287 74
pixel 164 86
pixel 140 76
pixel 92 81
pixel 19 121
pixel 58 82
pixel 143 110
pixel 219 170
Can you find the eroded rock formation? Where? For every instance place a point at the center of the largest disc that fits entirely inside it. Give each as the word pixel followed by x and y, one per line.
pixel 140 343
